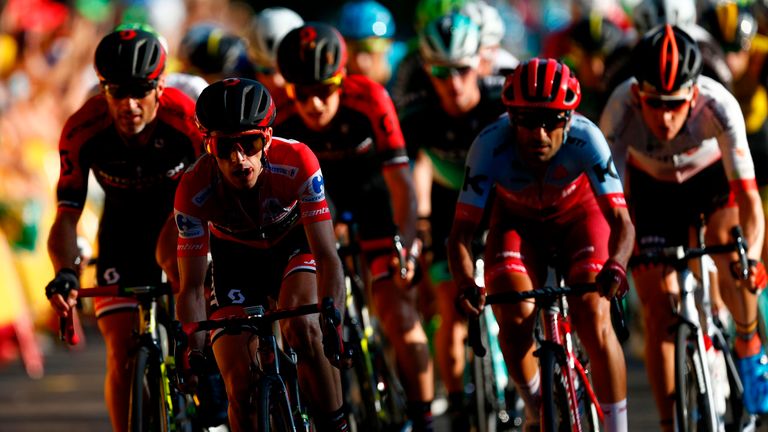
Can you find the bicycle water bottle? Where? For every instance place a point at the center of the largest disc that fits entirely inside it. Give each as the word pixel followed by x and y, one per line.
pixel 720 388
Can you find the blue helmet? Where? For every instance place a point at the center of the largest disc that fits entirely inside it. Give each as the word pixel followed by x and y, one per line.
pixel 366 18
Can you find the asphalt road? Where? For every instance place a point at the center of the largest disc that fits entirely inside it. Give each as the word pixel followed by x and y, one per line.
pixel 70 395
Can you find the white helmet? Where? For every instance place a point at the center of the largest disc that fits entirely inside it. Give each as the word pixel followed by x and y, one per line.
pixel 267 29
pixel 650 13
pixel 449 39
pixel 488 19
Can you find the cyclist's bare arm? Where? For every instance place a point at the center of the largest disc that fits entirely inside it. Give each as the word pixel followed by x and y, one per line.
pixel 330 277
pixel 191 299
pixel 422 184
pixel 622 237
pixel 460 259
pixel 64 253
pixel 401 191
pixel 751 220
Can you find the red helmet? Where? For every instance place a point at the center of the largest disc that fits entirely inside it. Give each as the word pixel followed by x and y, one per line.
pixel 542 83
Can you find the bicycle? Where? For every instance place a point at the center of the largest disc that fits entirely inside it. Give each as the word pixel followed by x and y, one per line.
pixel 568 400
pixel 371 387
pixel 274 373
pixel 156 404
pixel 700 404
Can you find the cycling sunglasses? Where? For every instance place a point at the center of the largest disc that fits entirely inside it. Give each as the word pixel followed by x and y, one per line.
pixel 133 91
pixel 444 72
pixel 249 143
pixel 665 102
pixel 547 121
pixel 322 90
pixel 371 44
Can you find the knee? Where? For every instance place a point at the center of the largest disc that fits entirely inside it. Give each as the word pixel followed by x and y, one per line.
pixel 304 336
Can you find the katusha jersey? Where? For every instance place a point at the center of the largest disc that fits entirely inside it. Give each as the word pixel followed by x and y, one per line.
pixel 714 130
pixel 290 192
pixel 580 171
pixel 134 179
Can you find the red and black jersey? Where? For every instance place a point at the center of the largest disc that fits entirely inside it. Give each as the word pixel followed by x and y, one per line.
pixel 289 191
pixel 363 138
pixel 143 177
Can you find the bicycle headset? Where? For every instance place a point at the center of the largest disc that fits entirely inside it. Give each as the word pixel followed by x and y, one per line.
pixel 365 19
pixel 668 59
pixel 449 39
pixel 267 29
pixel 130 56
pixel 542 83
pixel 312 54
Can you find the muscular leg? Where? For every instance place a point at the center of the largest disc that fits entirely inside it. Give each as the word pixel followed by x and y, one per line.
pixel 659 343
pixel 320 380
pixel 233 354
pixel 449 339
pixel 516 334
pixel 591 317
pixel 402 326
pixel 117 329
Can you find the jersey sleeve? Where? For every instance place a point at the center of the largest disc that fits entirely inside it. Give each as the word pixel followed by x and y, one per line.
pixel 311 189
pixel 79 129
pixel 732 140
pixel 611 126
pixel 600 169
pixel 478 175
pixel 390 142
pixel 189 214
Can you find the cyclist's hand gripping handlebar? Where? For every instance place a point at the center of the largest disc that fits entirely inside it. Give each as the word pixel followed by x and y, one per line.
pixel 333 344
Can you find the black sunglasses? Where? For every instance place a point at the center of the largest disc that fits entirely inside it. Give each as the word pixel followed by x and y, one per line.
pixel 322 91
pixel 222 147
pixel 534 121
pixel 445 72
pixel 134 91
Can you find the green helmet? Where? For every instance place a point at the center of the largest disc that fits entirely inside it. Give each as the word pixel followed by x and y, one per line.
pixel 429 10
pixel 449 39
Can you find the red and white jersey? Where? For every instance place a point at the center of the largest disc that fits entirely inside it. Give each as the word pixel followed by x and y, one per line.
pixel 714 130
pixel 290 191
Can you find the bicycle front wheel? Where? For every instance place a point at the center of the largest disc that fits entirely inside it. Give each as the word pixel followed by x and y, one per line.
pixel 148 409
pixel 692 409
pixel 555 415
pixel 275 408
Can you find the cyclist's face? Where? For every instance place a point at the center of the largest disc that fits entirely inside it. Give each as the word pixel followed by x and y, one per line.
pixel 540 134
pixel 665 114
pixel 132 107
pixel 456 86
pixel 317 105
pixel 239 158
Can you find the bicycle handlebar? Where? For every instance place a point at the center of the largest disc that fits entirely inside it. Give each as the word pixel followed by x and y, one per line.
pixel 255 317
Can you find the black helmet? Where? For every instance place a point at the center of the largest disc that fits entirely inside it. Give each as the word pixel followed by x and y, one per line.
pixel 212 50
pixel 234 105
pixel 668 59
pixel 733 27
pixel 311 54
pixel 129 56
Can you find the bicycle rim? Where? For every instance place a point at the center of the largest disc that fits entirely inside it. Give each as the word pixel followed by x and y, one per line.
pixel 692 410
pixel 275 410
pixel 148 409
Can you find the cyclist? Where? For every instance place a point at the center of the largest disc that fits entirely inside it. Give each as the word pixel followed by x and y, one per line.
pixel 137 137
pixel 462 105
pixel 556 189
pixel 679 142
pixel 267 29
pixel 368 28
pixel 210 51
pixel 350 123
pixel 262 200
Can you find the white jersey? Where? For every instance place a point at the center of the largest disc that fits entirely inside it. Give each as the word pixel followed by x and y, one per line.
pixel 714 130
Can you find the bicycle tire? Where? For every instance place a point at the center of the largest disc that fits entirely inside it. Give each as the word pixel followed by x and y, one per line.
pixel 361 393
pixel 692 408
pixel 275 412
pixel 148 410
pixel 554 402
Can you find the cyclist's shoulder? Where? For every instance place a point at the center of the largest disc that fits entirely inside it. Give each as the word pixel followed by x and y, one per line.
pixel 175 103
pixel 715 101
pixel 91 118
pixel 197 183
pixel 493 139
pixel 360 88
pixel 191 85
